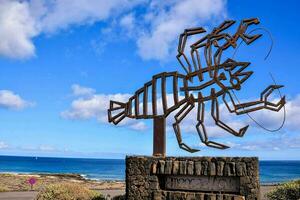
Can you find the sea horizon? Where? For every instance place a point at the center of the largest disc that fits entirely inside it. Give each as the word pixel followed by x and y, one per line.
pixel 110 169
pixel 104 158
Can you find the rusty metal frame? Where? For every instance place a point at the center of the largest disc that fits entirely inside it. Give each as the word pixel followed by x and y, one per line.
pixel 194 69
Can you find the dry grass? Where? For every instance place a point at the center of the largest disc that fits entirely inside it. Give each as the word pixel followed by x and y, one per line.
pixel 68 191
pixel 3 188
pixel 286 191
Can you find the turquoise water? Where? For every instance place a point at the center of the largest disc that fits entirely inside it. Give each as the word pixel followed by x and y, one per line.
pixel 114 169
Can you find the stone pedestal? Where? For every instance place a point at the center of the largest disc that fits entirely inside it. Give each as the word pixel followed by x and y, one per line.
pixel 192 178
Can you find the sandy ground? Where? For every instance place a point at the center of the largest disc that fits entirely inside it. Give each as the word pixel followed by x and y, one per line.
pixel 264 189
pixel 17 186
pixel 17 195
pixel 30 195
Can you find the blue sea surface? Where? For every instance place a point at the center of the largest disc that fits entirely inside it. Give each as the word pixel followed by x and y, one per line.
pixel 98 169
pixel 114 169
pixel 278 171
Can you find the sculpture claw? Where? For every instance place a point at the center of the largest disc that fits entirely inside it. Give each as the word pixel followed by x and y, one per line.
pixel 242 131
pixel 216 145
pixel 268 91
pixel 278 86
pixel 270 105
pixel 187 148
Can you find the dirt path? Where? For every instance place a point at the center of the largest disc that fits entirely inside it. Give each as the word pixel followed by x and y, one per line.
pixel 264 190
pixel 17 195
pixel 111 193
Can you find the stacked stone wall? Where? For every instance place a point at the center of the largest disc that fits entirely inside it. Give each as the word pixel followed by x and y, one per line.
pixel 193 178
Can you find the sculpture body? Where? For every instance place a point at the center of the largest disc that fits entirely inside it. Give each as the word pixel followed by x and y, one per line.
pixel 216 82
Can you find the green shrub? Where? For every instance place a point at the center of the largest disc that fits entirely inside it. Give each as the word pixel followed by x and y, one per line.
pixel 286 191
pixel 68 191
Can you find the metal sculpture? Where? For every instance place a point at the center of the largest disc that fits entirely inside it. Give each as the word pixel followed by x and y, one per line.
pixel 219 79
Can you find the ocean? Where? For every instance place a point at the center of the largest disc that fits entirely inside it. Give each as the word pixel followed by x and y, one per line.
pixel 114 169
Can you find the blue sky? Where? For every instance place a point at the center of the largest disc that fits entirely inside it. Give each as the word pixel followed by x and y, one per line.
pixel 61 62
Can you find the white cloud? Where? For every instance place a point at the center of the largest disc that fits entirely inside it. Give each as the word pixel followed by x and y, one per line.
pixel 95 106
pixel 168 21
pixel 3 145
pixel 138 126
pixel 46 148
pixel 82 91
pixel 61 14
pixel 17 28
pixel 89 105
pixel 266 118
pixel 128 23
pixel 39 148
pixel 155 31
pixel 278 142
pixel 273 120
pixel 10 100
pixel 21 21
pixel 188 125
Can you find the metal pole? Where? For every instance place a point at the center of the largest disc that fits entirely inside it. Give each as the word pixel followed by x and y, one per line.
pixel 159 136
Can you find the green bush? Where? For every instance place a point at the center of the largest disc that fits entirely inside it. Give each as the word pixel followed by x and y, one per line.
pixel 286 191
pixel 68 191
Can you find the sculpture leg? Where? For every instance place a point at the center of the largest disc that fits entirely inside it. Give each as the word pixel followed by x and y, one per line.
pixel 181 57
pixel 216 117
pixel 268 104
pixel 201 127
pixel 189 105
pixel 248 39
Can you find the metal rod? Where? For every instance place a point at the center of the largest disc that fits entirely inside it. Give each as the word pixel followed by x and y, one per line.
pixel 159 136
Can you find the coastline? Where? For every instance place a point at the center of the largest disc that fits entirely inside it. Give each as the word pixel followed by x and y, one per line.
pixel 13 182
pixel 18 182
pixel 74 177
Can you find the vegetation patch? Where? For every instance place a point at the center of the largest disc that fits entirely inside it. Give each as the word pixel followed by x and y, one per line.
pixel 19 182
pixel 286 191
pixel 68 191
pixel 3 188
